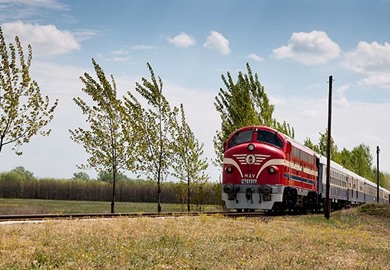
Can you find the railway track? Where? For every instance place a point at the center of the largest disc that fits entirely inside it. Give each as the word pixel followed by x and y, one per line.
pixel 40 217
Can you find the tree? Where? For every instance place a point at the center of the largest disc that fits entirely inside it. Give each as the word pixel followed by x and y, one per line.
pixel 188 166
pixel 358 160
pixel 308 143
pixel 386 180
pixel 23 110
pixel 157 125
pixel 111 139
pixel 24 174
pixel 361 162
pixel 81 176
pixel 244 103
pixel 106 176
pixel 322 146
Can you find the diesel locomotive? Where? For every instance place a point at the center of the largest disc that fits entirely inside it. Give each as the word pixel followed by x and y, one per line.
pixel 265 169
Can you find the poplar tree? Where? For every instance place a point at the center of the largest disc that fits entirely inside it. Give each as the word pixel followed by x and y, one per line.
pixel 189 167
pixel 243 103
pixel 157 125
pixel 110 139
pixel 23 109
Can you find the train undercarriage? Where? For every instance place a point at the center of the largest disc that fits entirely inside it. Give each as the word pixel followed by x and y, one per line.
pixel 289 200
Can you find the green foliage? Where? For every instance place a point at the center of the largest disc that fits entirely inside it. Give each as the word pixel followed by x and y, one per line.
pixel 81 176
pixel 308 143
pixel 374 209
pixel 358 160
pixel 111 138
pixel 361 161
pixel 386 180
pixel 23 110
pixel 106 176
pixel 13 186
pixel 23 173
pixel 243 103
pixel 156 123
pixel 322 146
pixel 188 166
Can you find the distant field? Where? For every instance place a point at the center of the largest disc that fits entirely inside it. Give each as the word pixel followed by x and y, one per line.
pixel 350 239
pixel 25 206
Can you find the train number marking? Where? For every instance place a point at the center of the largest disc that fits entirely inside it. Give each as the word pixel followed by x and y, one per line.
pixel 248 181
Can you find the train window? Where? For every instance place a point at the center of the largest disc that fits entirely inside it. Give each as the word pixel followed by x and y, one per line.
pixel 242 137
pixel 269 137
pixel 295 152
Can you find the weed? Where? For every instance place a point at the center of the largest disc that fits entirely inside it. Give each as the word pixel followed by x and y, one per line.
pixel 349 240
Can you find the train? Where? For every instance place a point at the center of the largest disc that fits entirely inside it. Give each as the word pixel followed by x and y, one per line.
pixel 264 169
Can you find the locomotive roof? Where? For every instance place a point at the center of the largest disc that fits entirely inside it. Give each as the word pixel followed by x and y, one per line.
pixel 287 138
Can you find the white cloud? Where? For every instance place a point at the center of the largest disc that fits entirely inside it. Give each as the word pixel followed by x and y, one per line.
pixel 372 60
pixel 49 4
pixel 216 41
pixel 26 9
pixel 183 40
pixel 340 99
pixel 255 57
pixel 84 34
pixel 44 39
pixel 309 48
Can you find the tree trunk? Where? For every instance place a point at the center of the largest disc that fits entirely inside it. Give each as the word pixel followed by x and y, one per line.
pixel 188 195
pixel 159 196
pixel 113 189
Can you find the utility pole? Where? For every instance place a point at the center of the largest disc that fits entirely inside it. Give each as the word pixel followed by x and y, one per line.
pixel 327 203
pixel 377 174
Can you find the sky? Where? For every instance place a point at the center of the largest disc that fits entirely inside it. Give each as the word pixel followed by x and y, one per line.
pixel 292 45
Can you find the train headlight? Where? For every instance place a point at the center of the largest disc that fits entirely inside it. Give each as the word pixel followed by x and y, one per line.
pixel 251 147
pixel 273 169
pixel 228 189
pixel 229 169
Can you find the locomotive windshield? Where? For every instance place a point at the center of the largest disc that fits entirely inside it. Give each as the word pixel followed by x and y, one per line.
pixel 242 137
pixel 269 137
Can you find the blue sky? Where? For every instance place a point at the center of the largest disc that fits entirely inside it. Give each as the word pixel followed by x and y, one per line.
pixel 292 45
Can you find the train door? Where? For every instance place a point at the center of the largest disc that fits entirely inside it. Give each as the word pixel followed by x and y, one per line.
pixel 320 175
pixel 289 166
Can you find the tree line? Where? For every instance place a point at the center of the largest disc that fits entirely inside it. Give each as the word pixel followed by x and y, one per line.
pixel 358 160
pixel 21 183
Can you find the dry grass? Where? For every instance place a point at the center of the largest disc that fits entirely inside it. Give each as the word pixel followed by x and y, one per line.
pixel 349 240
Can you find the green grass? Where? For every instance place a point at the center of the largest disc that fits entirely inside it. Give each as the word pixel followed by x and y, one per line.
pixel 348 240
pixel 27 206
pixel 374 209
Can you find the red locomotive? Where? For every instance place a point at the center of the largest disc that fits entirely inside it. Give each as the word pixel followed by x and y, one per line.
pixel 265 169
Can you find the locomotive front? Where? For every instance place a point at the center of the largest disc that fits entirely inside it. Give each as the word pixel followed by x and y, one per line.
pixel 253 168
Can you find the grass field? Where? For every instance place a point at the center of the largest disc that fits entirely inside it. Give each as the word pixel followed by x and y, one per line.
pixel 350 239
pixel 25 206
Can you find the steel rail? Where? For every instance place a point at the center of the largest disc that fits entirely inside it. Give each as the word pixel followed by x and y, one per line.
pixel 37 217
